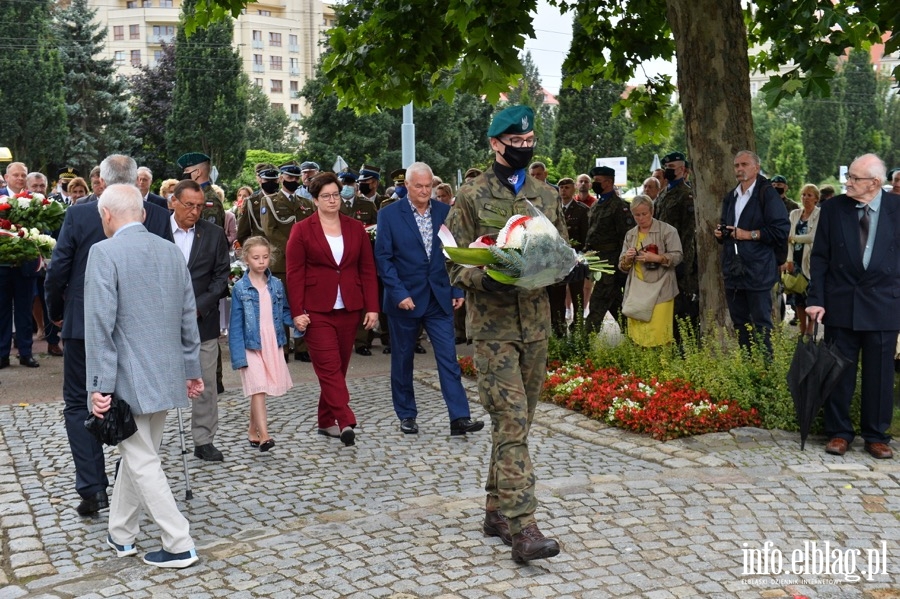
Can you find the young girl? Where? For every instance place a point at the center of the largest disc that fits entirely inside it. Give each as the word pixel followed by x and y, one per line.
pixel 259 313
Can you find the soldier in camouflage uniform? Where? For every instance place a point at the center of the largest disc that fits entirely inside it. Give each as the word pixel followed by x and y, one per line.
pixel 196 166
pixel 608 221
pixel 510 329
pixel 675 206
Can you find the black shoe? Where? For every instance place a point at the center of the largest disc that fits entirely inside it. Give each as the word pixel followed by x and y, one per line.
pixel 420 349
pixel 303 356
pixel 408 426
pixel 28 361
pixel 386 350
pixel 287 356
pixel 363 351
pixel 266 445
pixel 4 362
pixel 461 426
pixel 348 436
pixel 93 504
pixel 208 453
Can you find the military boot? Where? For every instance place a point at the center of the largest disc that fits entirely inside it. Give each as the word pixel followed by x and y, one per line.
pixel 531 544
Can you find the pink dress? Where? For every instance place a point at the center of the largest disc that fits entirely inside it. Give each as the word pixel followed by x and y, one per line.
pixel 266 370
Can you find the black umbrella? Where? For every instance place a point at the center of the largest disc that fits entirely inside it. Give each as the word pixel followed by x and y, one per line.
pixel 815 369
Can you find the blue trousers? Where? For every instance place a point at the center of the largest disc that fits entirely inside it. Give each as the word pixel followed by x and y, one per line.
pixel 17 291
pixel 753 308
pixel 404 334
pixel 87 452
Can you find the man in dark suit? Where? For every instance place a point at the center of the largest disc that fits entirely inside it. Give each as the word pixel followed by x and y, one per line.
pixel 64 288
pixel 205 250
pixel 417 292
pixel 855 288
pixel 144 179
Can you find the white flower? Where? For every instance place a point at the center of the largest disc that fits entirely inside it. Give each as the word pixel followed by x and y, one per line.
pixel 38 196
pixel 24 202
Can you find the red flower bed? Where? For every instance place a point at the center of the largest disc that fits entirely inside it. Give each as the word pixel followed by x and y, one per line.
pixel 663 410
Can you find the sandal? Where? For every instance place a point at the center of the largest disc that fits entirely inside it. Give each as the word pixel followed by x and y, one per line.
pixel 266 445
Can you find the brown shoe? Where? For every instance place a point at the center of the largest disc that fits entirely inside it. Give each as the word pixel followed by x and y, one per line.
pixel 495 525
pixel 54 350
pixel 879 451
pixel 531 544
pixel 837 446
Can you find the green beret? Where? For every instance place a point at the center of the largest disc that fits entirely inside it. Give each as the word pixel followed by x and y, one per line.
pixel 673 157
pixel 778 179
pixel 192 159
pixel 513 120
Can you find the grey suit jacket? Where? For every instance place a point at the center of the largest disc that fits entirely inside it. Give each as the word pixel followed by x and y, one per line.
pixel 143 356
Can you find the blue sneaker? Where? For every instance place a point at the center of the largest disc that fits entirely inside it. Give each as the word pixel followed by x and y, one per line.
pixel 121 550
pixel 165 559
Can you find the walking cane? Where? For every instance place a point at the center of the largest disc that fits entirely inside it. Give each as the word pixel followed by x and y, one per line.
pixel 187 481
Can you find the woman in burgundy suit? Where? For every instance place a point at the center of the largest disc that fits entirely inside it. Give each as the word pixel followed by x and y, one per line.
pixel 331 277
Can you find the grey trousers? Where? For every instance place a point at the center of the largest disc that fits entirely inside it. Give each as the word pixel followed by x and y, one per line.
pixel 205 408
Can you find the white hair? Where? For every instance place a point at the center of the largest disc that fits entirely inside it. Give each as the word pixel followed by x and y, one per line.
pixel 35 175
pixel 144 169
pixel 418 167
pixel 118 169
pixel 124 202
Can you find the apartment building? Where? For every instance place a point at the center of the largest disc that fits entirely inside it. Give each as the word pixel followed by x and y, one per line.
pixel 279 41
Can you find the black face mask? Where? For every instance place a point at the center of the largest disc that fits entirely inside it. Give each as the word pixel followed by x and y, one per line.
pixel 291 186
pixel 365 188
pixel 270 186
pixel 597 187
pixel 780 190
pixel 517 158
pixel 184 176
pixel 669 174
pixel 64 185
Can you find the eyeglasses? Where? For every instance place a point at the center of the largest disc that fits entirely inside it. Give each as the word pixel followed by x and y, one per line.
pixel 521 142
pixel 329 196
pixel 855 179
pixel 190 207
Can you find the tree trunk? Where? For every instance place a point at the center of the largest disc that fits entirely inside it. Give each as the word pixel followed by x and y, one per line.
pixel 714 87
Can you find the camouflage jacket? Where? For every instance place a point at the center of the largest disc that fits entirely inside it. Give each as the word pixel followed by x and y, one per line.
pixel 608 221
pixel 213 210
pixel 520 315
pixel 675 206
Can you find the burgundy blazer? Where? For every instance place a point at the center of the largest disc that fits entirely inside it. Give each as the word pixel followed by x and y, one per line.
pixel 313 277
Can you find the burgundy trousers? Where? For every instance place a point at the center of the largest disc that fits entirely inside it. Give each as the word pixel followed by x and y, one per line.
pixel 329 337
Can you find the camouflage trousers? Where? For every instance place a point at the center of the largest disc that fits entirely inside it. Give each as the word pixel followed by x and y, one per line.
pixel 606 297
pixel 510 376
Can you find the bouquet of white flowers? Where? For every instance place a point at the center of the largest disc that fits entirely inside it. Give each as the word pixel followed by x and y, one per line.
pixel 528 252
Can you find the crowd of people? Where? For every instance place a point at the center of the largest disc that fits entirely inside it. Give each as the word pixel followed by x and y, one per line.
pixel 329 261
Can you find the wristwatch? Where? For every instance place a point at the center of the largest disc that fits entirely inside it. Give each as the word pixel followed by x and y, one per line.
pixel 754 235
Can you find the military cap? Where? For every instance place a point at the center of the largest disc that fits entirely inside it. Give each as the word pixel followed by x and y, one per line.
pixel 367 172
pixel 602 171
pixel 399 176
pixel 778 179
pixel 67 173
pixel 290 168
pixel 674 157
pixel 513 120
pixel 192 159
pixel 347 176
pixel 309 165
pixel 262 166
pixel 268 173
pixel 472 172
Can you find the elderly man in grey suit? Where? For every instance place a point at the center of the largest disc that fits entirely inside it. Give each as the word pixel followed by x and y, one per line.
pixel 151 363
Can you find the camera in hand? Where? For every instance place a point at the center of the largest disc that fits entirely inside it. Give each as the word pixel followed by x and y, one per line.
pixel 726 232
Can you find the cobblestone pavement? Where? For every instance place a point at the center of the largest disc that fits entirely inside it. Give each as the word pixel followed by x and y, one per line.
pixel 399 516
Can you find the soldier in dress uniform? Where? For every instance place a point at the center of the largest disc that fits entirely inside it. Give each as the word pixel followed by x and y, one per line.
pixel 399 178
pixel 248 224
pixel 608 221
pixel 196 166
pixel 63 176
pixel 510 328
pixel 576 215
pixel 308 170
pixel 367 182
pixel 675 206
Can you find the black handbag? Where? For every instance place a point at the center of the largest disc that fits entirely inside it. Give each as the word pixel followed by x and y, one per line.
pixel 116 425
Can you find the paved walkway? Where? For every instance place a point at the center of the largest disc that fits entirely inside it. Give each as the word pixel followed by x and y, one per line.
pixel 400 516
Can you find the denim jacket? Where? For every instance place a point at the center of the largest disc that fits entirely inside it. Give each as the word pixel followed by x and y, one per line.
pixel 243 329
